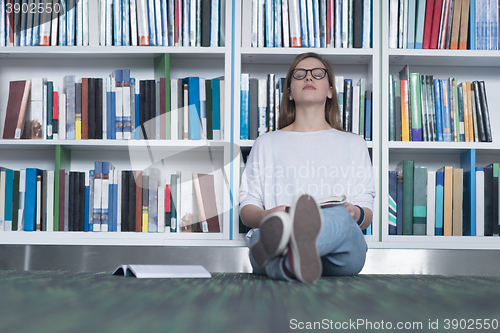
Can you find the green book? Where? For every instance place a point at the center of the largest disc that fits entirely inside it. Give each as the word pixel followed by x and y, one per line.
pixel 361 84
pixel 416 107
pixel 419 200
pixel 392 109
pixel 15 201
pixel 407 169
pixel 63 161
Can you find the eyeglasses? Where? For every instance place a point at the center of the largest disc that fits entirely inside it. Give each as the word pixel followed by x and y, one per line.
pixel 301 73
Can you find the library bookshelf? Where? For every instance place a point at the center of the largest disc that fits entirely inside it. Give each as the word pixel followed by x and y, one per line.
pixel 465 65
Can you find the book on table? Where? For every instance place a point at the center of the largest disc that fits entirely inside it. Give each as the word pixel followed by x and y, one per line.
pixel 162 271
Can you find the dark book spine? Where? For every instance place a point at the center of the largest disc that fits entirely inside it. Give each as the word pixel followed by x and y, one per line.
pixel 357 8
pixel 494 223
pixel 142 108
pixel 125 201
pixel 270 102
pixel 393 207
pixel 91 108
pixel 253 112
pixel 479 113
pixel 85 108
pixel 205 22
pixel 138 201
pixel 209 109
pixel 407 168
pixel 397 108
pixel 131 200
pixel 489 217
pixel 15 200
pixel 399 203
pixel 43 208
pixel 484 109
pixel 152 110
pixel 460 96
pixel 71 206
pixel 98 109
pixel 81 200
pixel 62 190
pixel 432 105
pixel 392 110
pixel 348 105
pixel 147 111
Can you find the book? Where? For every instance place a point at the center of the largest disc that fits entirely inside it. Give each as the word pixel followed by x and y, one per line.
pixel 420 200
pixel 328 202
pixel 407 169
pixel 162 271
pixel 16 109
pixel 393 208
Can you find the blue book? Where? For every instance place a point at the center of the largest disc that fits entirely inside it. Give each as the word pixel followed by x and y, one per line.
pixel 35 34
pixel 216 109
pixel 214 23
pixel 194 107
pixel 117 105
pixel 445 110
pixel 30 199
pixel 62 24
pixel 277 23
pixel 472 25
pixel 303 24
pixel 269 27
pixel 244 106
pixel 185 21
pixel 368 116
pixel 111 200
pixel 399 203
pixel 368 231
pixel 115 202
pixel 393 207
pixel 152 20
pixel 70 22
pixel 117 22
pixel 125 22
pixel 109 110
pixel 468 164
pixel 86 225
pixel 316 33
pixel 9 193
pixel 97 196
pixel 438 102
pixel 412 5
pixel 439 203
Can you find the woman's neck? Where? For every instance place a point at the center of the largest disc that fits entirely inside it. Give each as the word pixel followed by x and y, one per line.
pixel 309 119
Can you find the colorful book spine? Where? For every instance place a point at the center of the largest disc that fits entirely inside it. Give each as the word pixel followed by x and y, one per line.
pixel 468 164
pixel 439 203
pixel 393 208
pixel 416 107
pixel 420 200
pixel 244 106
pixel 407 169
pixel 96 225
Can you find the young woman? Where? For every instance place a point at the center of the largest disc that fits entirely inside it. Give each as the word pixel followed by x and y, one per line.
pixel 310 158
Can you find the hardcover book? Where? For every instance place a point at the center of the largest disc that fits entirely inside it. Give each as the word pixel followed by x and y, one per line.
pixel 162 271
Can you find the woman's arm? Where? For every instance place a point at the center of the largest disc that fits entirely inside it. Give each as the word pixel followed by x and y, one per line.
pixel 356 214
pixel 251 215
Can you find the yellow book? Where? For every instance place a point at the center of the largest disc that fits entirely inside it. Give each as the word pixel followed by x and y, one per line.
pixel 78 127
pixel 458 185
pixel 145 218
pixel 465 103
pixel 448 200
pixel 405 116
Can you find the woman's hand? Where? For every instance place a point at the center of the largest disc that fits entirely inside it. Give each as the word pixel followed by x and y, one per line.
pixel 354 211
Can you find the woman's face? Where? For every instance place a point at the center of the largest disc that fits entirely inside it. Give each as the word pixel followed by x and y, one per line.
pixel 310 90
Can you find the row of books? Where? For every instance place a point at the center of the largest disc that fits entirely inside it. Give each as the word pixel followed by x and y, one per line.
pixel 444 24
pixel 422 108
pixel 308 23
pixel 116 107
pixel 107 200
pixel 112 22
pixel 261 101
pixel 447 202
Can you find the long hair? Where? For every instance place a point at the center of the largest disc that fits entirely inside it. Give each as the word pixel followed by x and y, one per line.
pixel 287 108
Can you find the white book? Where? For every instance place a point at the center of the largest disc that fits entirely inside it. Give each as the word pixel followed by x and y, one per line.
pixel 157 122
pixel 322 23
pixel 222 23
pixel 163 271
pixel 310 23
pixel 285 23
pixel 62 116
pixel 3 35
pixel 187 204
pixel 214 24
pixel 316 31
pixel 54 23
pixel 118 182
pixel 2 200
pixel 97 202
pixel 393 24
pixel 355 109
pixel 45 24
pixel 109 22
pixel 174 110
pixel 339 86
pixel 22 198
pixel 69 90
pixel 178 203
pixel 142 22
pixel 192 23
pixel 405 23
pixel 480 201
pixel 29 28
pixel 127 135
pixel 86 18
pixel 367 23
pixel 345 23
pixel 294 14
pixel 36 109
pixel 262 106
pixel 70 22
pixel 431 203
pixel 119 109
pixel 222 109
pixel 50 201
pixel 203 109
pixel 79 23
pixel 249 23
pixel 261 23
pixel 133 22
pixel 105 202
pixel 185 22
pixel 102 22
pixel 161 209
pixel 158 21
pixel 338 23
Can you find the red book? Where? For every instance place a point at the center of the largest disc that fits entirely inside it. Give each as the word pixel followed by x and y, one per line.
pixel 167 204
pixel 10 24
pixel 429 9
pixel 178 23
pixel 330 26
pixel 16 109
pixel 436 20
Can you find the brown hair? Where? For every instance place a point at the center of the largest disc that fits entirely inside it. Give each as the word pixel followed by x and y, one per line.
pixel 287 109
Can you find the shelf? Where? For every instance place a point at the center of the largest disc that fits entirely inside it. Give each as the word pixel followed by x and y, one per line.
pixel 468 58
pixel 262 55
pixel 439 242
pixel 440 147
pixel 249 143
pixel 114 52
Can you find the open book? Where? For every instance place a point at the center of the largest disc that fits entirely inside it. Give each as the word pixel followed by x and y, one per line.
pixel 328 202
pixel 163 271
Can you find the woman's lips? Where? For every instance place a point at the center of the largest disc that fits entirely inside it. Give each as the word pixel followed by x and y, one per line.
pixel 309 87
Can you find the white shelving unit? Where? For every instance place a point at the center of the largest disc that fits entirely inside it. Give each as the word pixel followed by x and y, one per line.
pixel 466 65
pixel 350 63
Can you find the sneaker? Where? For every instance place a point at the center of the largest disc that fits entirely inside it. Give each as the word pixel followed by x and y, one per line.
pixel 306 225
pixel 275 232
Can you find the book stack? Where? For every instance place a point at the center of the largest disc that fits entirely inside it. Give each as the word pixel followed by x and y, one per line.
pixel 261 102
pixel 117 107
pixel 450 201
pixel 422 108
pixel 444 24
pixel 307 23
pixel 112 22
pixel 107 200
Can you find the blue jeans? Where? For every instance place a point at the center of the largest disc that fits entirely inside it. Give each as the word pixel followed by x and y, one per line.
pixel 341 246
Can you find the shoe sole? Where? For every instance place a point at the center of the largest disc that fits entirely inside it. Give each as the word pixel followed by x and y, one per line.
pixel 274 237
pixel 307 223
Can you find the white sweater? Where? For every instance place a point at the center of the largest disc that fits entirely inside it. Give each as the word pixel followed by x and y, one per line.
pixel 283 164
